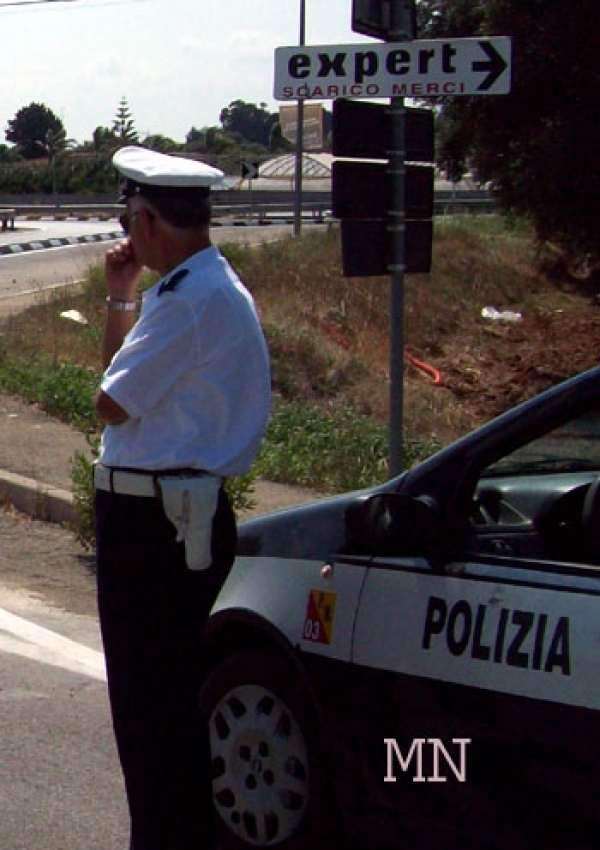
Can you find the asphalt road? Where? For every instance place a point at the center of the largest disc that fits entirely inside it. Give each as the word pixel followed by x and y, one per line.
pixel 60 781
pixel 25 274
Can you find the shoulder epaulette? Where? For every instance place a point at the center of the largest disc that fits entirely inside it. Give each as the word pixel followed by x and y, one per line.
pixel 170 283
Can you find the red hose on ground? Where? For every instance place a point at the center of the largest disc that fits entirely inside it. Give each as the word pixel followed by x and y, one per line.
pixel 424 367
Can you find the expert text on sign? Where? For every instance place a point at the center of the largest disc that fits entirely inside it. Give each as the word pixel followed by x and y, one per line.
pixel 412 69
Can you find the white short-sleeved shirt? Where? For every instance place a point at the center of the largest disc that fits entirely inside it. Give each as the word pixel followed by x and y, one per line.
pixel 192 375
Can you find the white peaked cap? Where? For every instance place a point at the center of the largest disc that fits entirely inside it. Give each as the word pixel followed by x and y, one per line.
pixel 145 169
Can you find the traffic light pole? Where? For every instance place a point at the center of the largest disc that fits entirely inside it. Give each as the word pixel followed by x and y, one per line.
pixel 397 227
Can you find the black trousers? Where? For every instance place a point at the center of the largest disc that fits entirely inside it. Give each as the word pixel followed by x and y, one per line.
pixel 152 613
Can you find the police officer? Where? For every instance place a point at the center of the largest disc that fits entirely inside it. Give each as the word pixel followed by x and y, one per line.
pixel 185 400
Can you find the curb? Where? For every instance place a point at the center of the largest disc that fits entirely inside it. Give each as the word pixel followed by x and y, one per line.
pixel 36 499
pixel 39 245
pixel 117 235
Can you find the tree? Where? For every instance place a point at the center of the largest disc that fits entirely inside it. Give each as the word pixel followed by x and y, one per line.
pixel 123 125
pixel 252 122
pixel 104 140
pixel 57 145
pixel 8 155
pixel 36 130
pixel 195 140
pixel 160 143
pixel 539 146
pixel 278 143
pixel 217 142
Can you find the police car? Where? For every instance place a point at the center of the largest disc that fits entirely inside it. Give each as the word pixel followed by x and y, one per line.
pixel 419 664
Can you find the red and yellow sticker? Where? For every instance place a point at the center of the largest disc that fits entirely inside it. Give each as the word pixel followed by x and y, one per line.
pixel 320 614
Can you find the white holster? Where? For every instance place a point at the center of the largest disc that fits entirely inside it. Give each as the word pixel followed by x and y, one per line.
pixel 190 503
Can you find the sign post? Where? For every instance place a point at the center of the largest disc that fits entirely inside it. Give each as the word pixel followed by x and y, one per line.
pixel 397 158
pixel 299 140
pixel 399 68
pixel 386 211
pixel 397 227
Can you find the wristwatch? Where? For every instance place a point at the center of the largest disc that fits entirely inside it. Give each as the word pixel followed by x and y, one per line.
pixel 117 304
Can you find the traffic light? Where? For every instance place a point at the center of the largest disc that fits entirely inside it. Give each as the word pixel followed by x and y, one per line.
pixel 363 195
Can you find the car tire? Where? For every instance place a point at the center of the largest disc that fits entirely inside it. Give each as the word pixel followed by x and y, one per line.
pixel 270 784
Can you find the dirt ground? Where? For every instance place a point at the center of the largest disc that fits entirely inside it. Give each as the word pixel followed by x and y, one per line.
pixel 45 561
pixel 507 363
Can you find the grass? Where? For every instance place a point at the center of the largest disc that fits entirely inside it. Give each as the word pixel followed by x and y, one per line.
pixel 328 337
pixel 62 389
pixel 338 451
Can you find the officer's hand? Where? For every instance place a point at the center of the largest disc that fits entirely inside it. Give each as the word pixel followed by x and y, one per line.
pixel 123 271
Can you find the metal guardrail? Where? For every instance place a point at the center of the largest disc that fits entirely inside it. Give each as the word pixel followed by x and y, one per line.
pixel 262 207
pixel 449 206
pixel 64 211
pixel 318 212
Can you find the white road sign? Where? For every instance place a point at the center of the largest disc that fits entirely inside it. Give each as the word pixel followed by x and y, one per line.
pixel 465 66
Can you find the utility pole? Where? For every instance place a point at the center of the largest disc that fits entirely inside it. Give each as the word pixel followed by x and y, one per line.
pixel 299 137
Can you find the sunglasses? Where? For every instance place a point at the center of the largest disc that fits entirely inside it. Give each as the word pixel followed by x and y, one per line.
pixel 126 219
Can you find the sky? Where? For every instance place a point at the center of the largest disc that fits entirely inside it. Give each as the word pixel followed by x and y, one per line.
pixel 176 62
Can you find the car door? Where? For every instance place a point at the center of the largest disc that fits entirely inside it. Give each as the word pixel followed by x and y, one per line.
pixel 478 676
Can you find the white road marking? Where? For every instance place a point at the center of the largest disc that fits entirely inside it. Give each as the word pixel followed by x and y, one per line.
pixel 22 637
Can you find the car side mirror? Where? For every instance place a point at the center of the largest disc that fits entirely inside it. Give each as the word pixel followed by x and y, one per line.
pixel 392 524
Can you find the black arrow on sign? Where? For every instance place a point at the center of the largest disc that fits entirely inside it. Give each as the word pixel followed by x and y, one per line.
pixel 249 170
pixel 496 66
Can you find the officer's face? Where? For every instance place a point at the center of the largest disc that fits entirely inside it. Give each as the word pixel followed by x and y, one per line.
pixel 136 209
pixel 127 219
pixel 139 223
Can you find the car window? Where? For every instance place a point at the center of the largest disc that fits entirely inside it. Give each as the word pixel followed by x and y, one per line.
pixel 572 447
pixel 539 502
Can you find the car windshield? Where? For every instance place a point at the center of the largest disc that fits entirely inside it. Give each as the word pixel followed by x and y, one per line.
pixel 572 447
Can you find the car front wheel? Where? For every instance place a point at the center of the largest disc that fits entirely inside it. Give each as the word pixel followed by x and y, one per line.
pixel 269 783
